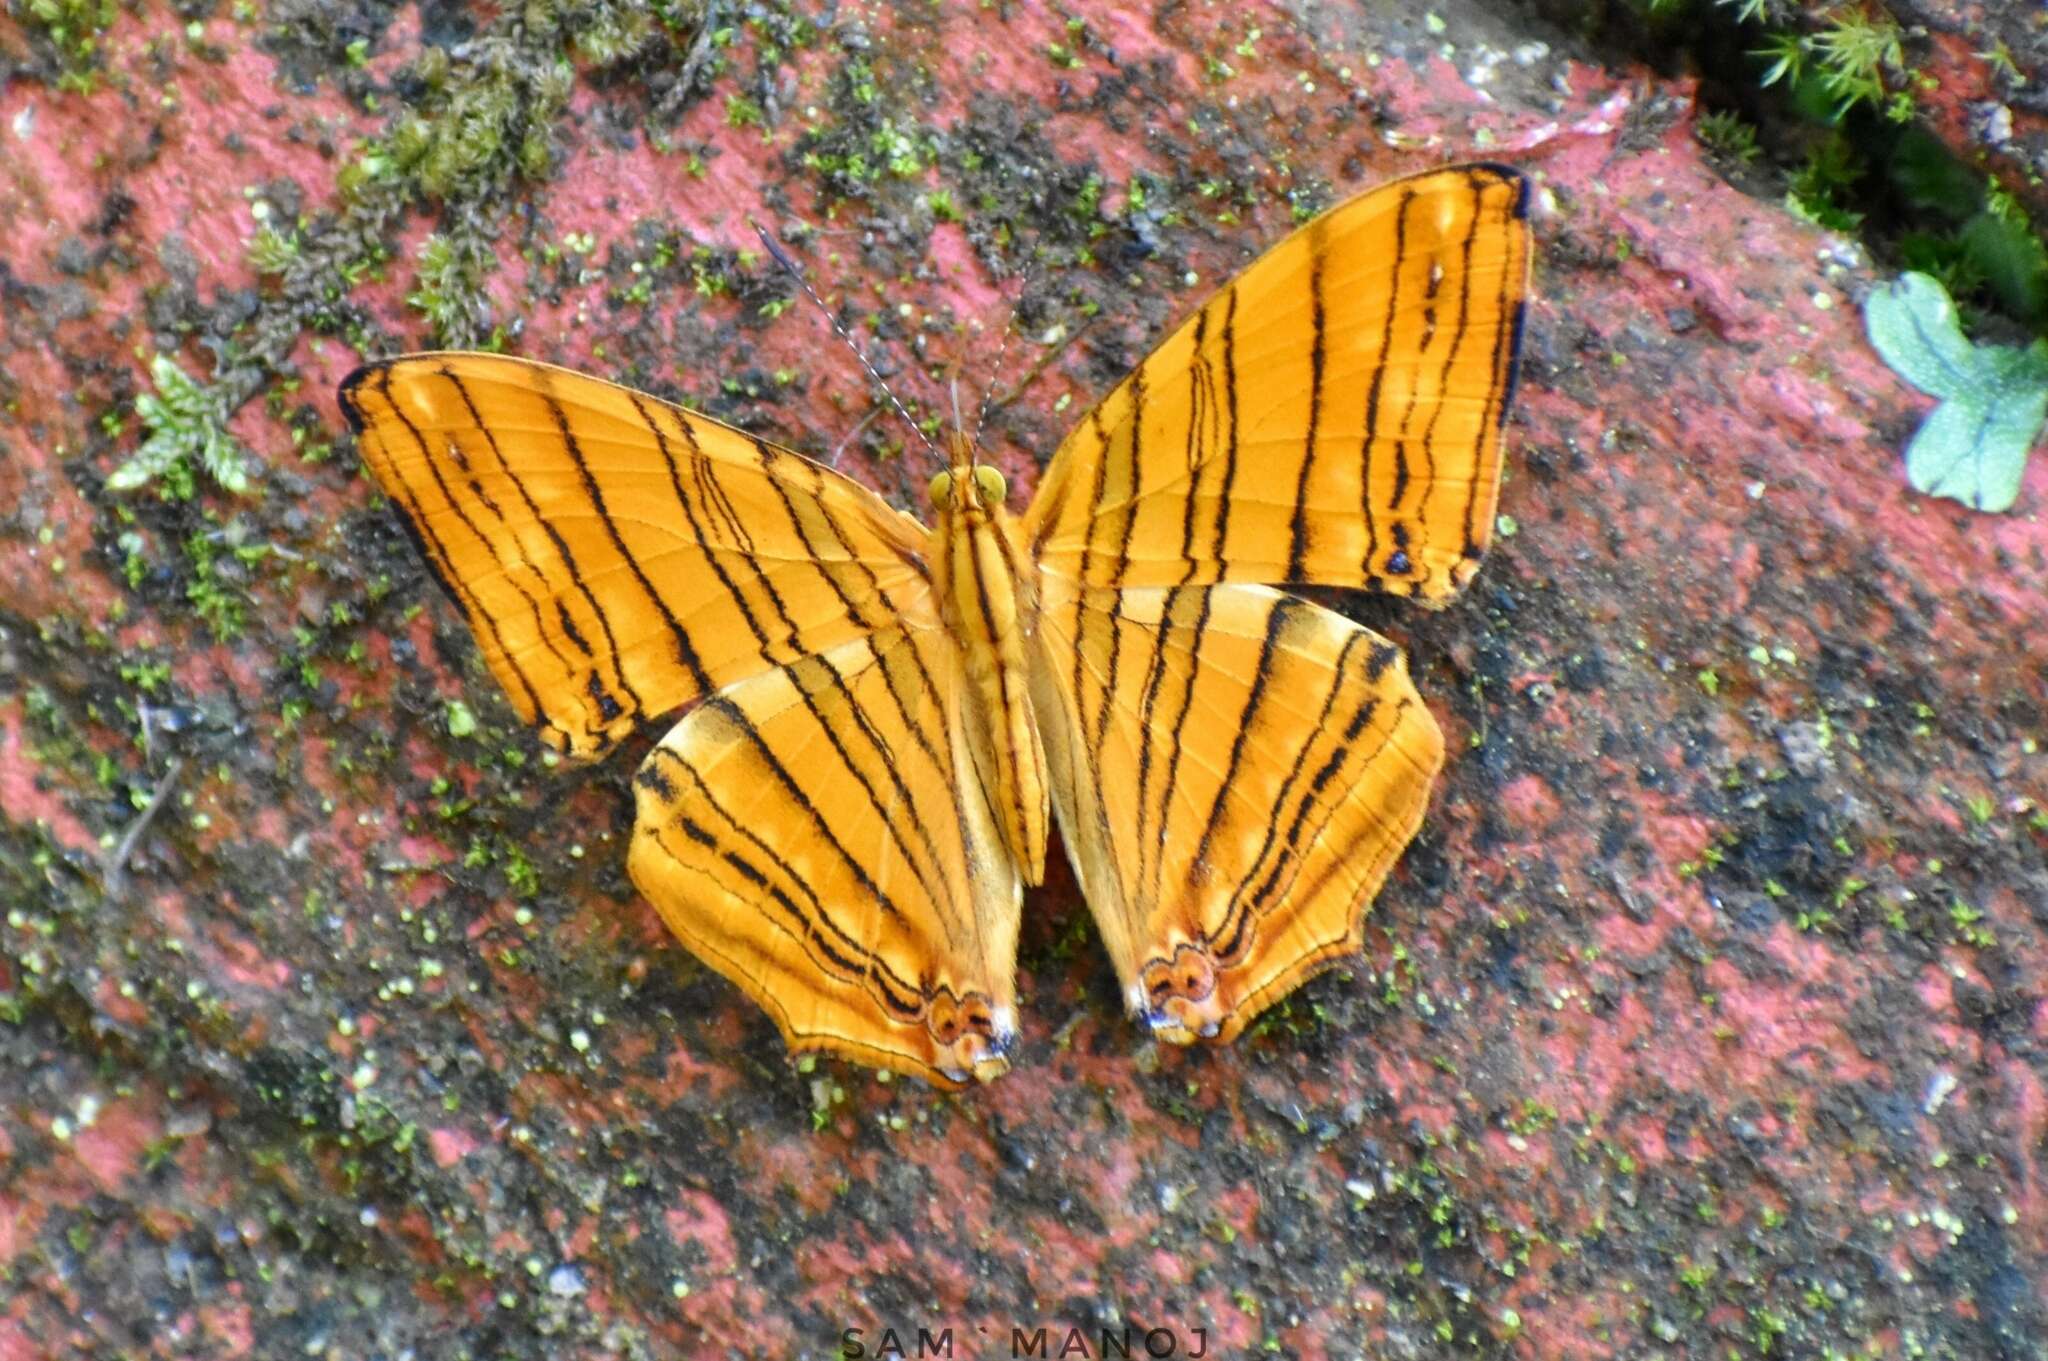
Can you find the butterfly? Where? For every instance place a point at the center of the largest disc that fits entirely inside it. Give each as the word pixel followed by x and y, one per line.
pixel 885 719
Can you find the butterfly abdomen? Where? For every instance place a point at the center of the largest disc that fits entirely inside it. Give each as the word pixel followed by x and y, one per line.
pixel 987 592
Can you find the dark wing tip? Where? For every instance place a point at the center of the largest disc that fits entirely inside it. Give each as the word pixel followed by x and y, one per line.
pixel 377 370
pixel 351 405
pixel 1517 322
pixel 1508 174
pixel 1513 385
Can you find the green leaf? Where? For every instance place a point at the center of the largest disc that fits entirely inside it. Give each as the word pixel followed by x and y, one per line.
pixel 1912 326
pixel 1973 447
pixel 151 461
pixel 222 458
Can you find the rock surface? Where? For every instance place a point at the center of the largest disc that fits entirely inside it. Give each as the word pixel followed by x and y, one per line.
pixel 1706 1017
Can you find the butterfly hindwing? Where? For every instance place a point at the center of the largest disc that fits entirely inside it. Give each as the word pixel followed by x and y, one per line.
pixel 816 834
pixel 1235 771
pixel 1332 416
pixel 618 556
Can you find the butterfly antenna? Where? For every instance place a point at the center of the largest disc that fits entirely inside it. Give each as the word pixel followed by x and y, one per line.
pixel 989 400
pixel 1042 363
pixel 839 450
pixel 988 391
pixel 781 257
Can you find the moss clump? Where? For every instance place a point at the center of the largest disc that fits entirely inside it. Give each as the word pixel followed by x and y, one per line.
pixel 187 431
pixel 73 29
pixel 477 125
pixel 1831 94
pixel 450 293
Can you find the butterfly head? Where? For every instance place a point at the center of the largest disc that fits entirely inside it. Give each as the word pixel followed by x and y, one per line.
pixel 972 488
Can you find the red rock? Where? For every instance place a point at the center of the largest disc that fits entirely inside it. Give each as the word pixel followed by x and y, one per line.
pixel 1735 862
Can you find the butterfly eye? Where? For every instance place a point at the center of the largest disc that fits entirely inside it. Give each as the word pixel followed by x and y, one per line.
pixel 941 492
pixel 990 484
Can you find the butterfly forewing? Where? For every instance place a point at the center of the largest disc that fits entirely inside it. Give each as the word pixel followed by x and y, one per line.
pixel 618 556
pixel 1330 417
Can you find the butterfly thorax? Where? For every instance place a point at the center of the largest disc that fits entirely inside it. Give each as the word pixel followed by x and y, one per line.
pixel 988 594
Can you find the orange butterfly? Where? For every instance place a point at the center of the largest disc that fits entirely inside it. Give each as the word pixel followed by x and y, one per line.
pixel 887 719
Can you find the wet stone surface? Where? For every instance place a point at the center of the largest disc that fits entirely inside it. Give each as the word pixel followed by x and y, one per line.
pixel 1704 1018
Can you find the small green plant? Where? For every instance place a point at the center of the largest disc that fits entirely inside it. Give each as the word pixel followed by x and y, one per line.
pixel 742 112
pixel 1854 57
pixel 73 28
pixel 468 136
pixel 186 426
pixel 1854 52
pixel 272 251
pixel 1973 447
pixel 449 291
pixel 1723 132
pixel 1787 57
pixel 1821 190
pixel 1971 233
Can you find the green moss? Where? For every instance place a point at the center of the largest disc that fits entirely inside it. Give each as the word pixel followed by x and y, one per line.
pixel 617 33
pixel 148 677
pixel 217 601
pixel 864 143
pixel 73 28
pixel 1856 52
pixel 272 251
pixel 1822 190
pixel 1849 98
pixel 476 126
pixel 1726 134
pixel 449 291
pixel 187 432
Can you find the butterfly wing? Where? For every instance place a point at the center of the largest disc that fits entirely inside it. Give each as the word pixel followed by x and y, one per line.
pixel 1236 770
pixel 1330 417
pixel 816 833
pixel 805 829
pixel 618 556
